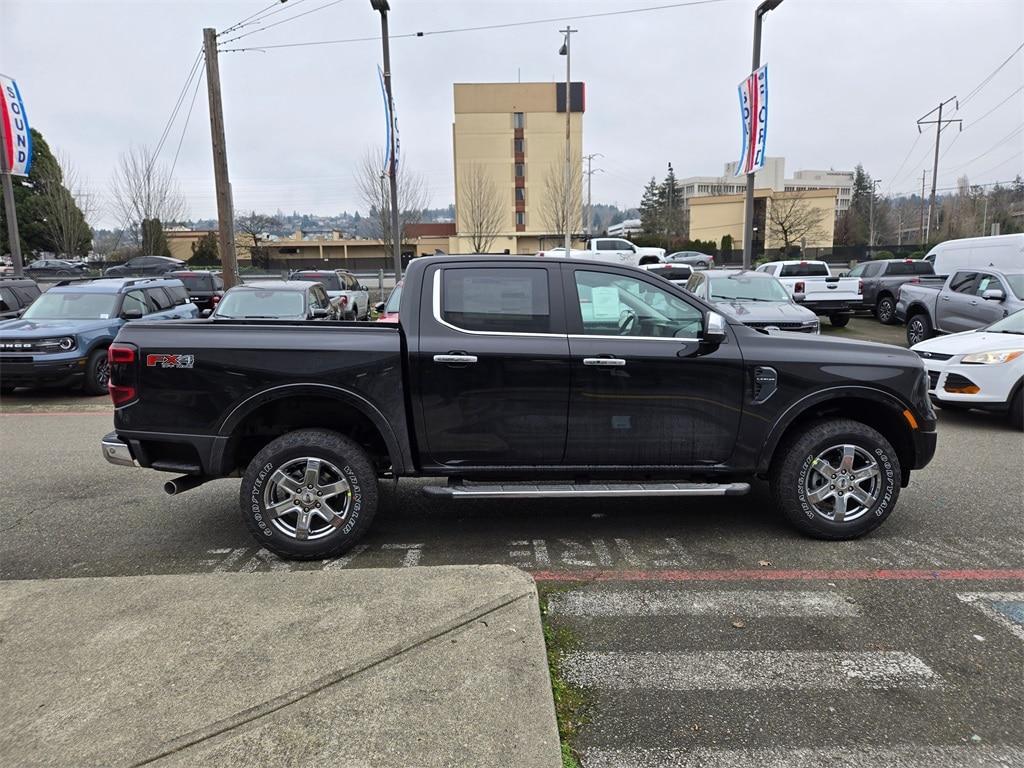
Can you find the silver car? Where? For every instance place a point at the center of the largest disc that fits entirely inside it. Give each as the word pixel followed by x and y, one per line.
pixel 695 259
pixel 754 298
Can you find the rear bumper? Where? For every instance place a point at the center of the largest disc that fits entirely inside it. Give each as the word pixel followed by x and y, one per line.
pixel 830 307
pixel 116 451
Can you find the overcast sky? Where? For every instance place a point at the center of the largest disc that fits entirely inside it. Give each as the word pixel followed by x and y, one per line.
pixel 847 81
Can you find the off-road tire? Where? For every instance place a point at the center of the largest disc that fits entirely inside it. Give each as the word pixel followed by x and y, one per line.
pixel 839 321
pixel 885 310
pixel 97 362
pixel 919 328
pixel 344 453
pixel 792 462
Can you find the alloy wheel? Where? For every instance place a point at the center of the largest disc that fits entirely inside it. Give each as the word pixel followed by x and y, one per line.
pixel 307 498
pixel 843 483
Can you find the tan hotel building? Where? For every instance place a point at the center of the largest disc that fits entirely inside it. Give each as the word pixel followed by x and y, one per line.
pixel 515 134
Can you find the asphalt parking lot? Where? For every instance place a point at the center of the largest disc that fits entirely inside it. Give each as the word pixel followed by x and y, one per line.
pixel 706 632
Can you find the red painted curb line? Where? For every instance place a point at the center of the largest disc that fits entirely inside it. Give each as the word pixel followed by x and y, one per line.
pixel 996 574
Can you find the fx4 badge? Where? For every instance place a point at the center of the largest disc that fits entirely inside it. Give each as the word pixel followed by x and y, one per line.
pixel 170 361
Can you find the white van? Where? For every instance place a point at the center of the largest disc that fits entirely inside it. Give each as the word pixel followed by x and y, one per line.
pixel 999 251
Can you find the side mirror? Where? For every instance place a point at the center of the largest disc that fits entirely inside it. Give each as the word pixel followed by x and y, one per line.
pixel 206 313
pixel 319 313
pixel 131 314
pixel 993 294
pixel 379 307
pixel 799 298
pixel 714 329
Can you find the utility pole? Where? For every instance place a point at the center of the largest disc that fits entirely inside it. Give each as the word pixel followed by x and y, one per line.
pixel 984 218
pixel 871 218
pixel 920 232
pixel 590 172
pixel 748 205
pixel 10 213
pixel 225 205
pixel 939 125
pixel 396 229
pixel 565 51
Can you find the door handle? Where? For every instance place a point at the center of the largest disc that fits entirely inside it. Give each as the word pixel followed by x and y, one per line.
pixel 974 302
pixel 455 358
pixel 944 298
pixel 609 362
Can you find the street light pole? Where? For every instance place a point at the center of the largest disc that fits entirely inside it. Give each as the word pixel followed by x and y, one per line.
pixel 396 235
pixel 567 197
pixel 748 205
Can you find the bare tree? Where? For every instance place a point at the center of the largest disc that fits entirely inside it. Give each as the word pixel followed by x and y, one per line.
pixel 255 226
pixel 553 214
pixel 481 211
pixel 143 190
pixel 66 208
pixel 374 190
pixel 792 218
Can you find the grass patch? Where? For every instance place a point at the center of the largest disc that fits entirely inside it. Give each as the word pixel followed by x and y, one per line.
pixel 571 704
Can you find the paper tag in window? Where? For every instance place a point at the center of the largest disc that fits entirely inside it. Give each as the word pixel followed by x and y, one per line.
pixel 605 300
pixel 104 316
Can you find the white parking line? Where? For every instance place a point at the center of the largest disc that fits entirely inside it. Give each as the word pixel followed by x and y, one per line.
pixel 748 670
pixel 781 757
pixel 742 602
pixel 983 601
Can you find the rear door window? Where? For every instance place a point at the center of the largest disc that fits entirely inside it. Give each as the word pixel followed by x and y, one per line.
pixel 8 301
pixel 160 300
pixel 177 293
pixel 498 300
pixel 963 282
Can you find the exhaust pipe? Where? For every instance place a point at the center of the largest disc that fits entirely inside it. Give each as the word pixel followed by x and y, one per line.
pixel 183 483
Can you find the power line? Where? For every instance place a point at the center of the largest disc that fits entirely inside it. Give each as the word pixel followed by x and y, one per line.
pixel 895 176
pixel 1014 156
pixel 994 72
pixel 997 106
pixel 279 4
pixel 177 106
pixel 282 21
pixel 1011 135
pixel 483 28
pixel 188 115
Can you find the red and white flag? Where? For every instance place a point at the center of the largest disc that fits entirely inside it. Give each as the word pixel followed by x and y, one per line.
pixel 754 111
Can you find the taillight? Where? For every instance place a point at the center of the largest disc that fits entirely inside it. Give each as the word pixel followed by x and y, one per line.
pixel 123 373
pixel 860 286
pixel 799 287
pixel 343 299
pixel 216 299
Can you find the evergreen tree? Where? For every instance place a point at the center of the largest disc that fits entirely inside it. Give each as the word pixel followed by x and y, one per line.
pixel 651 210
pixel 205 252
pixel 154 241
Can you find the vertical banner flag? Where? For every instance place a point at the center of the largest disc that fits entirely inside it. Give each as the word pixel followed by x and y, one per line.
pixel 754 112
pixel 392 126
pixel 14 124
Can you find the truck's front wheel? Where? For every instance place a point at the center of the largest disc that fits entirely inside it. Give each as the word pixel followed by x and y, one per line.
pixel 309 494
pixel 836 479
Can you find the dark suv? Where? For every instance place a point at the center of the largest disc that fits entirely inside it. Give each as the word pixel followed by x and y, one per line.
pixel 142 266
pixel 16 293
pixel 205 289
pixel 62 338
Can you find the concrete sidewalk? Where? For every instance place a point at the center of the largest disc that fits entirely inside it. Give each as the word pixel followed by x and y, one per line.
pixel 436 666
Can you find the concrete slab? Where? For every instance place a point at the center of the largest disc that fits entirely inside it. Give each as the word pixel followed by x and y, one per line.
pixel 414 666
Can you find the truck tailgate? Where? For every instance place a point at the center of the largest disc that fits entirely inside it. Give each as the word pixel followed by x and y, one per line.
pixel 831 288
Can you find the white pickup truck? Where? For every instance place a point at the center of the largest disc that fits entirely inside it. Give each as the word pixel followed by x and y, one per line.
pixel 611 249
pixel 812 285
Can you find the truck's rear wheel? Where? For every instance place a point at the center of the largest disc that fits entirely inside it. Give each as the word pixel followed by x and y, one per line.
pixel 836 479
pixel 885 310
pixel 309 494
pixel 919 328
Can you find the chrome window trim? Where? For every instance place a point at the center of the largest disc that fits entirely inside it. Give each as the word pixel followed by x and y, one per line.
pixel 634 338
pixel 437 317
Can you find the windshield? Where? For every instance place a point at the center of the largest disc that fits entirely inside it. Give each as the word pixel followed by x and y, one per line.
pixel 72 306
pixel 1012 324
pixel 394 300
pixel 328 280
pixel 1016 285
pixel 261 304
pixel 805 269
pixel 748 288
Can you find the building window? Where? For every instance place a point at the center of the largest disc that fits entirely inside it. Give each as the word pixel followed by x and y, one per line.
pixel 518 120
pixel 519 146
pixel 520 219
pixel 520 170
pixel 521 194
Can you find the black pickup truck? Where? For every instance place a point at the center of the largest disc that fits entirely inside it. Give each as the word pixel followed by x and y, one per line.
pixel 517 377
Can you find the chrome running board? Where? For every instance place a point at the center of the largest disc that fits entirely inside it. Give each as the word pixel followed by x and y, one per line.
pixel 583 490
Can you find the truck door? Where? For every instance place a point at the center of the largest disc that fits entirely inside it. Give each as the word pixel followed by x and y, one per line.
pixel 987 311
pixel 953 308
pixel 644 389
pixel 492 365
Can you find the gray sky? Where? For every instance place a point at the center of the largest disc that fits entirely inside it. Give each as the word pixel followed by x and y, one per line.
pixel 847 81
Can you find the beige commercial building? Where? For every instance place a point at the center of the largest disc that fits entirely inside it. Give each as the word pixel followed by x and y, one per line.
pixel 711 218
pixel 509 141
